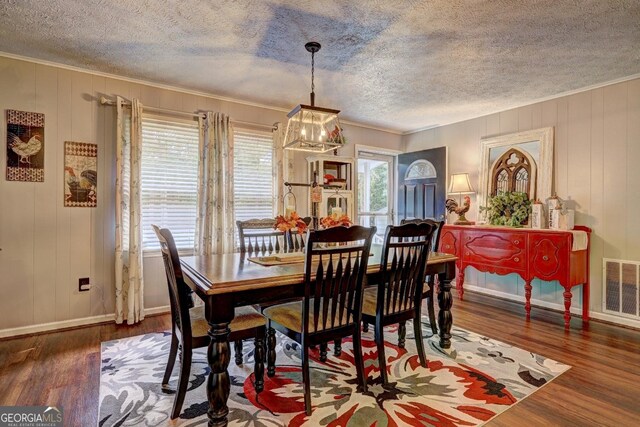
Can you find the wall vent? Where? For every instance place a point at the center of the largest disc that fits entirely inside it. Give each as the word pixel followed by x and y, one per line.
pixel 621 290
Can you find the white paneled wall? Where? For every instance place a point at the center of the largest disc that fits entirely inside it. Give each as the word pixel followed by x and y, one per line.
pixel 597 168
pixel 46 247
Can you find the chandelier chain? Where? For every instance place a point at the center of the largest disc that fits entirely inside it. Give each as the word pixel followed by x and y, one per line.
pixel 313 87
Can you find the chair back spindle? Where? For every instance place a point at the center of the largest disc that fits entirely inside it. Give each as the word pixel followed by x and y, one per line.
pixel 258 237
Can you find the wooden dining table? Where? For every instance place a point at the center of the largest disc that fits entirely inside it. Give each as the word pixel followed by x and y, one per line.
pixel 227 281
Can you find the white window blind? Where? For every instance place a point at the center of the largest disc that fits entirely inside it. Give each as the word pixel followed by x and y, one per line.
pixel 253 175
pixel 169 180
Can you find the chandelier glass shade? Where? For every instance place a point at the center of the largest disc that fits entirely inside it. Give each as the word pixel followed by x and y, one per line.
pixel 311 128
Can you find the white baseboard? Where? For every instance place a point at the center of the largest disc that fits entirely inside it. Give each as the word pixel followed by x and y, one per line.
pixel 553 306
pixel 72 323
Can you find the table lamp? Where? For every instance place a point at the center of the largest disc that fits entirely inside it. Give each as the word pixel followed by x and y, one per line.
pixel 460 185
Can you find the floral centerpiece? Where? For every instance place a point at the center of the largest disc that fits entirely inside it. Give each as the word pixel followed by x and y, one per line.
pixel 290 222
pixel 507 208
pixel 335 220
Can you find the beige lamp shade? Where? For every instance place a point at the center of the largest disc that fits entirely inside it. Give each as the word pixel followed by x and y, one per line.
pixel 460 184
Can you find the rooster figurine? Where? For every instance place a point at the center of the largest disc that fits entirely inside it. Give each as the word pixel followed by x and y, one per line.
pixel 25 149
pixel 452 206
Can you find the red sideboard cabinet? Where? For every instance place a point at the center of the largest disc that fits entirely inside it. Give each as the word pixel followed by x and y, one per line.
pixel 543 254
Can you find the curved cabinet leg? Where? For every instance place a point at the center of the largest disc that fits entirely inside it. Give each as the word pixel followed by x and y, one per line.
pixel 445 319
pixel 460 282
pixel 567 307
pixel 218 385
pixel 527 298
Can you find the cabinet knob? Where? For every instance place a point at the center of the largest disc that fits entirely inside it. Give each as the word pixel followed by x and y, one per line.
pixel 545 258
pixel 447 246
pixel 467 253
pixel 517 242
pixel 516 259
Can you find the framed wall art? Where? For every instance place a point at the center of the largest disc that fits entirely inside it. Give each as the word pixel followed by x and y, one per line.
pixel 25 146
pixel 80 174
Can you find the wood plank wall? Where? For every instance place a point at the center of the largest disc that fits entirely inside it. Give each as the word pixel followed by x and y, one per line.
pixel 46 247
pixel 597 167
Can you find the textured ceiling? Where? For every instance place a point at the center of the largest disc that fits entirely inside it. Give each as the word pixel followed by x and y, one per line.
pixel 397 64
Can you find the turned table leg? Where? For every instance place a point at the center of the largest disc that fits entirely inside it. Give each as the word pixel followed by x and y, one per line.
pixel 271 351
pixel 218 357
pixel 445 318
pixel 218 385
pixel 567 307
pixel 527 298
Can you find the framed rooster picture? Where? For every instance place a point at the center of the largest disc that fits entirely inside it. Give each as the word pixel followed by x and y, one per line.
pixel 25 146
pixel 80 174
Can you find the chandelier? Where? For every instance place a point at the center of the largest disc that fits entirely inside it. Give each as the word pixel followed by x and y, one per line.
pixel 312 128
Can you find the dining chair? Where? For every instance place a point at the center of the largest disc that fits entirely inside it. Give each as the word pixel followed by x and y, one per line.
pixel 398 295
pixel 429 293
pixel 258 237
pixel 189 328
pixel 331 307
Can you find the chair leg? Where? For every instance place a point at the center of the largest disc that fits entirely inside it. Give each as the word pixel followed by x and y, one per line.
pixel 402 334
pixel 323 352
pixel 271 350
pixel 306 379
pixel 337 347
pixel 258 369
pixel 431 306
pixel 238 351
pixel 417 332
pixel 382 361
pixel 183 382
pixel 173 351
pixel 359 359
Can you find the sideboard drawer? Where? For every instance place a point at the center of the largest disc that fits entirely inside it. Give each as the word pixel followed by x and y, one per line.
pixel 508 250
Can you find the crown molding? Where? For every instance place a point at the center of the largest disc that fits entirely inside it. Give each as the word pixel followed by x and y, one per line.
pixel 536 101
pixel 178 89
pixel 284 110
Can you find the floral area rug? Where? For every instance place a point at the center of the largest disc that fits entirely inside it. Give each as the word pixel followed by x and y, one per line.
pixel 466 385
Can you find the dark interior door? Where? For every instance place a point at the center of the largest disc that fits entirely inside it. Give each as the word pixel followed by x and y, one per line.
pixel 421 184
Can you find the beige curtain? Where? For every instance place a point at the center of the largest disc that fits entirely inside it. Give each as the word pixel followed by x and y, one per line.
pixel 215 228
pixel 129 277
pixel 282 167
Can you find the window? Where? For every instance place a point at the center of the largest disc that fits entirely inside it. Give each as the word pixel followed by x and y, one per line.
pixel 253 175
pixel 169 180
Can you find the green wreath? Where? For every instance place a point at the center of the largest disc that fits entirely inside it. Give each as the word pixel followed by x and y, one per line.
pixel 507 208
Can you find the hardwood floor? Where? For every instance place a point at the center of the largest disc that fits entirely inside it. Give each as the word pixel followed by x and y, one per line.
pixel 602 388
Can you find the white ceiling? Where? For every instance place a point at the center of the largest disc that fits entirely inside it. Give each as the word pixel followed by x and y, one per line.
pixel 402 65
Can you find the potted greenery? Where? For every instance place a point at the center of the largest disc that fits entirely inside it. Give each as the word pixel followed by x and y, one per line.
pixel 507 208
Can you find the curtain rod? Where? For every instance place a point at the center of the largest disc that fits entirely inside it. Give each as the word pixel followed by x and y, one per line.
pixel 105 101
